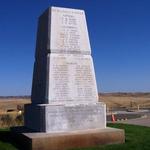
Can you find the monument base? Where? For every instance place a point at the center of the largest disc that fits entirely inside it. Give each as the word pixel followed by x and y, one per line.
pixel 68 140
pixel 65 118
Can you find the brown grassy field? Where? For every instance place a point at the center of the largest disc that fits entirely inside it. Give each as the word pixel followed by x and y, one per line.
pixel 10 106
pixel 12 111
pixel 116 100
pixel 126 100
pixel 112 100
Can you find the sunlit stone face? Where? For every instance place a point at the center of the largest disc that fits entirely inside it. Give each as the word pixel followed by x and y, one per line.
pixel 64 90
pixel 69 31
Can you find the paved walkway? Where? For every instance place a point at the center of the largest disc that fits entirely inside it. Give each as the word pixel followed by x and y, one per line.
pixel 139 121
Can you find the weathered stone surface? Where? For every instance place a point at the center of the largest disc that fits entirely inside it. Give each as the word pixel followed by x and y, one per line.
pixel 63 118
pixel 64 91
pixel 63 69
pixel 68 140
pixel 69 31
pixel 65 112
pixel 71 79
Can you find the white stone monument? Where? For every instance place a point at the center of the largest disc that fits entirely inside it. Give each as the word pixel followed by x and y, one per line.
pixel 65 111
pixel 64 93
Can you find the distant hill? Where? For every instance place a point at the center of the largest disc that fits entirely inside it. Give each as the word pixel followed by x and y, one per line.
pixel 15 97
pixel 126 100
pixel 119 99
pixel 123 94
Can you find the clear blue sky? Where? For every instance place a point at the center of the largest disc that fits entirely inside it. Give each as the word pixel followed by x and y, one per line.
pixel 119 33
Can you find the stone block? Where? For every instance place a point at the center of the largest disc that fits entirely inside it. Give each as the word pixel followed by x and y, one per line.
pixel 68 140
pixel 63 118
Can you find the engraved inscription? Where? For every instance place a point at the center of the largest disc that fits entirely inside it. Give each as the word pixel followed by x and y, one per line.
pixel 83 80
pixel 69 36
pixel 72 78
pixel 75 117
pixel 69 32
pixel 60 73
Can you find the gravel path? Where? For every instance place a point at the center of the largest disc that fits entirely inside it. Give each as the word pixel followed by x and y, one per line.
pixel 139 121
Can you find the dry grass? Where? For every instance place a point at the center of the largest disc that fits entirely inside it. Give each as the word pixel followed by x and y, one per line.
pixel 12 103
pixel 111 99
pixel 11 111
pixel 127 100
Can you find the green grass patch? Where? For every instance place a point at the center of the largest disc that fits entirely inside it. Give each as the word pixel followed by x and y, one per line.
pixel 5 140
pixel 137 138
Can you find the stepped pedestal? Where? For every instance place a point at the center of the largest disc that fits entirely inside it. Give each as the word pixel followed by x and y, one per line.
pixel 65 112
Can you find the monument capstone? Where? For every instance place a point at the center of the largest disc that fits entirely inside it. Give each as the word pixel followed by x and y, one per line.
pixel 64 92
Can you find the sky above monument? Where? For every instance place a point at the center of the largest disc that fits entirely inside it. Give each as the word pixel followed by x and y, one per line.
pixel 119 33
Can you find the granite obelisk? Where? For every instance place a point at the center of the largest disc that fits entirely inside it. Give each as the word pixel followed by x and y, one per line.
pixel 65 112
pixel 64 91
